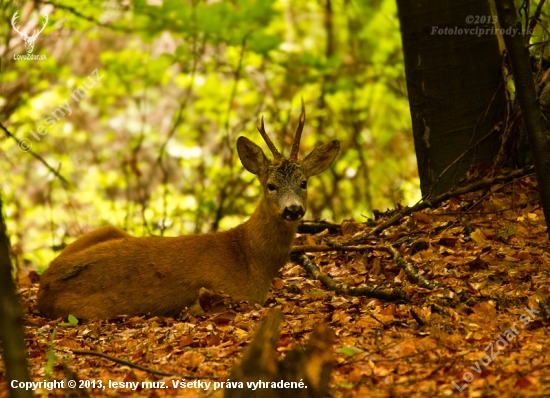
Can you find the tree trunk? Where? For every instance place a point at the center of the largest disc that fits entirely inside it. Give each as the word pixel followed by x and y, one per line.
pixel 11 322
pixel 455 86
pixel 527 98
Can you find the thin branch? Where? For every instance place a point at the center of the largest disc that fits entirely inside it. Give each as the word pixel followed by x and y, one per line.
pixel 476 186
pixel 467 211
pixel 226 150
pixel 538 43
pixel 533 21
pixel 90 18
pixel 333 247
pixel 496 128
pixel 37 156
pixel 136 366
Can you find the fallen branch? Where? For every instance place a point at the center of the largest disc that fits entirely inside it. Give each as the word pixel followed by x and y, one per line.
pixel 476 186
pixel 411 271
pixel 136 366
pixel 314 227
pixel 386 294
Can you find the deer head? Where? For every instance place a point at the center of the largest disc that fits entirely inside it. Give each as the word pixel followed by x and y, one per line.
pixel 284 181
pixel 29 40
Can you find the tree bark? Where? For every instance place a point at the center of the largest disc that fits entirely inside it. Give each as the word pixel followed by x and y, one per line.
pixel 527 98
pixel 11 322
pixel 455 86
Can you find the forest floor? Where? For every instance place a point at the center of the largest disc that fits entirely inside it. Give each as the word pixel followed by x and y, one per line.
pixel 483 330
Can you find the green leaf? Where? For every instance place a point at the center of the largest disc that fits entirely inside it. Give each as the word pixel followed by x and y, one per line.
pixel 505 232
pixel 73 321
pixel 349 351
pixel 263 43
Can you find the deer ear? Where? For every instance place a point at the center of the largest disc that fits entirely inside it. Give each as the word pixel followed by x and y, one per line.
pixel 320 158
pixel 251 155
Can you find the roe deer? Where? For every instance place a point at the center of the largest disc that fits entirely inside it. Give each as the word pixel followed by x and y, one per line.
pixel 107 272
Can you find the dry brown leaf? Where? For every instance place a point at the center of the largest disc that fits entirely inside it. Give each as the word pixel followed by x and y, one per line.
pixel 422 217
pixel 278 283
pixel 478 236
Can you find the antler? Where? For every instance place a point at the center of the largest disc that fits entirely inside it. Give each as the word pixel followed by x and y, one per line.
pixel 296 145
pixel 35 34
pixel 13 21
pixel 276 154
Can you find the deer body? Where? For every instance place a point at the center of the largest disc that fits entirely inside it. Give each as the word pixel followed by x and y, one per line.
pixel 108 272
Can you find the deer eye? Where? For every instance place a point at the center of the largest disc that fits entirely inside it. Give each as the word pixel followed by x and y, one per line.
pixel 271 187
pixel 303 184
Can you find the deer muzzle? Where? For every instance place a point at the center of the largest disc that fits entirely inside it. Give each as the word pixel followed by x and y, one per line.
pixel 293 213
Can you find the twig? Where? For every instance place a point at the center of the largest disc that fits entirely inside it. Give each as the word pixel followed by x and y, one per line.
pixel 136 366
pixel 370 355
pixel 90 18
pixel 333 247
pixel 467 211
pixel 37 156
pixel 476 186
pixel 533 21
pixel 386 294
pixel 496 128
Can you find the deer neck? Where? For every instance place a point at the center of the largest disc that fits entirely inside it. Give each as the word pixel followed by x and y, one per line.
pixel 269 239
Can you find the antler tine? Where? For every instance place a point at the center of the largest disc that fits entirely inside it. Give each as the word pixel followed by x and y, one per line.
pixel 276 154
pixel 296 145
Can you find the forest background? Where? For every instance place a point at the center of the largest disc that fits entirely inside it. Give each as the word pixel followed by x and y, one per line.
pixel 138 107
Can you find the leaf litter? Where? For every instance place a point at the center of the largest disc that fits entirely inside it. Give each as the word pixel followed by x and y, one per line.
pixel 483 331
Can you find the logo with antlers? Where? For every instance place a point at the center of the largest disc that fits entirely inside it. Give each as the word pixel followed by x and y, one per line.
pixel 29 40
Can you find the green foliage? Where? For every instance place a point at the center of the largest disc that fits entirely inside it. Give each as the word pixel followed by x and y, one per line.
pixel 48 369
pixel 150 144
pixel 73 321
pixel 349 351
pixel 505 232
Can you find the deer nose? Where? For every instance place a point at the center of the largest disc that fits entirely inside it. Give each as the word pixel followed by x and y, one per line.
pixel 293 213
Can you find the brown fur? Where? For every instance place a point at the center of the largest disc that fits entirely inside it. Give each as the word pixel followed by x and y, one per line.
pixel 161 275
